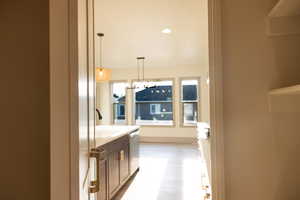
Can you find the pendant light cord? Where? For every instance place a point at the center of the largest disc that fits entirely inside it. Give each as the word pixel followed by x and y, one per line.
pixel 101 52
pixel 143 70
pixel 138 68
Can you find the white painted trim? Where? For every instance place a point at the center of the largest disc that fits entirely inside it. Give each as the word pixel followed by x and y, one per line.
pixel 64 136
pixel 111 107
pixel 199 101
pixel 216 99
pixel 60 100
pixel 174 82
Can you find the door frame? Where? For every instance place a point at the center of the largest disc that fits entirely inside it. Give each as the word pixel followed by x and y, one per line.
pixel 216 99
pixel 63 98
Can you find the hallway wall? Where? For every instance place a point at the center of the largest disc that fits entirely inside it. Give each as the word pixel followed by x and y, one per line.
pixel 24 102
pixel 257 162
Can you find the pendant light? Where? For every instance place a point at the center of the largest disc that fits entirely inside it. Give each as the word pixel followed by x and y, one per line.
pixel 142 83
pixel 141 67
pixel 140 73
pixel 102 74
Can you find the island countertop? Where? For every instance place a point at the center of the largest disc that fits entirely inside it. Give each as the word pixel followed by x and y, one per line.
pixel 105 133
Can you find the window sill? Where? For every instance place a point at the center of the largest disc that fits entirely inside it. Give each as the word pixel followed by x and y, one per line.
pixel 154 122
pixel 189 126
pixel 156 126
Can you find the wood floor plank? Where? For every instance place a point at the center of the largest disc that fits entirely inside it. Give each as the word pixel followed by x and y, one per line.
pixel 167 172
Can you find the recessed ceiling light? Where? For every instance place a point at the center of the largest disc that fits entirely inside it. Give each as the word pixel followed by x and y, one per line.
pixel 167 31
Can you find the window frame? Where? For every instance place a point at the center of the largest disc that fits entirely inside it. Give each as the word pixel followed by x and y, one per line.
pixel 173 80
pixel 112 120
pixel 181 102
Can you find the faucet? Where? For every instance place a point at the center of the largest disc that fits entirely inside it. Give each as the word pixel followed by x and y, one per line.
pixel 99 114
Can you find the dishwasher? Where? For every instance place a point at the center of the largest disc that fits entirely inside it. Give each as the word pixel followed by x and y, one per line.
pixel 134 151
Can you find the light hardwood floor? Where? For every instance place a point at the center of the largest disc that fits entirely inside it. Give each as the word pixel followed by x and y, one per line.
pixel 167 172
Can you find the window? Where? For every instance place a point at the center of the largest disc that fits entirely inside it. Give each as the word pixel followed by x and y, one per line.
pixel 189 101
pixel 155 109
pixel 119 102
pixel 154 104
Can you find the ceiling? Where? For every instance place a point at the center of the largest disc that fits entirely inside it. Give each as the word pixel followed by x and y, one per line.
pixel 133 28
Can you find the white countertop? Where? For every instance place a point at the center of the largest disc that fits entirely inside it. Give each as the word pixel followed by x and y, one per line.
pixel 106 134
pixel 203 129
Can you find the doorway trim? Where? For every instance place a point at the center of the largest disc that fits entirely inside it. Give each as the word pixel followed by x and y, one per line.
pixel 64 145
pixel 216 99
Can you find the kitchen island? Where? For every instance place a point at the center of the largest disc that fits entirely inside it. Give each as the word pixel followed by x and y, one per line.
pixel 117 156
pixel 204 144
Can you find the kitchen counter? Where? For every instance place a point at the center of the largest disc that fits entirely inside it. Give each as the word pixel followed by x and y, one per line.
pixel 204 144
pixel 106 134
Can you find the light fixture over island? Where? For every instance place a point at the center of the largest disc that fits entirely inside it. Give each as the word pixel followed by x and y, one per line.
pixel 102 74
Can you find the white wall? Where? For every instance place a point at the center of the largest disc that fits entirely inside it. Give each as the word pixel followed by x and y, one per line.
pixel 177 72
pixel 103 103
pixel 257 163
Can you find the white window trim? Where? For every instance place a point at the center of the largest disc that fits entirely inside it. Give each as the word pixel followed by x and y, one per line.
pixel 181 102
pixel 112 120
pixel 173 103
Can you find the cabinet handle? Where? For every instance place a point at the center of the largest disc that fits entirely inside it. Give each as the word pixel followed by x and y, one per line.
pixel 122 155
pixel 95 184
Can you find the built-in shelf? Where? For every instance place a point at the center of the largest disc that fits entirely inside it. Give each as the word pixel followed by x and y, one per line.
pixel 284 18
pixel 285 100
pixel 286 8
pixel 286 90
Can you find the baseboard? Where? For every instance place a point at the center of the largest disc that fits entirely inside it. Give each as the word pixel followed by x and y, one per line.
pixel 175 140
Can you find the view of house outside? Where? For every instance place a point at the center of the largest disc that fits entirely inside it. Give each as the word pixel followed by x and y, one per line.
pixel 154 102
pixel 189 101
pixel 119 102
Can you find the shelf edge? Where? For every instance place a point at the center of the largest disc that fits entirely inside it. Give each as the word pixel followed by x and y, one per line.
pixel 279 10
pixel 292 90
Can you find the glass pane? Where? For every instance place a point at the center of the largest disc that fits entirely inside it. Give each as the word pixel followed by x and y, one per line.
pixel 189 90
pixel 119 92
pixel 154 103
pixel 190 113
pixel 119 113
pixel 119 102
